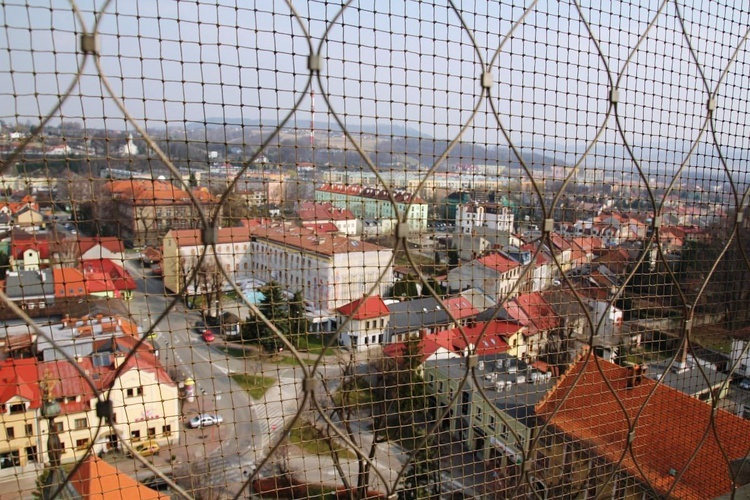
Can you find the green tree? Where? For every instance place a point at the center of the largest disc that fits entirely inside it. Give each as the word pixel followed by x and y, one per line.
pixel 406 288
pixel 298 323
pixel 453 258
pixel 192 181
pixel 276 310
pixel 435 286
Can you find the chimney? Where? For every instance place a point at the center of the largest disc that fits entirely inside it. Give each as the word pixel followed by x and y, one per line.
pixel 635 376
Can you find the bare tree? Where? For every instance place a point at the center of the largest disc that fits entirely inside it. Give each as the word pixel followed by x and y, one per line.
pixel 209 282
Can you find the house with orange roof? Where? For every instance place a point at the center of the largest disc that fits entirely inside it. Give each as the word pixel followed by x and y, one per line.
pixel 368 322
pixel 145 401
pixel 20 400
pixel 148 209
pixel 110 272
pixel 96 479
pixel 613 433
pixel 538 319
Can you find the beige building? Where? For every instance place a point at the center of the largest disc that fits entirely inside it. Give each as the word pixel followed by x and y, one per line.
pixel 19 406
pixel 145 402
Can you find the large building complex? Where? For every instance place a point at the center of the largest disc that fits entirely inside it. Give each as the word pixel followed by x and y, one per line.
pixel 373 203
pixel 330 270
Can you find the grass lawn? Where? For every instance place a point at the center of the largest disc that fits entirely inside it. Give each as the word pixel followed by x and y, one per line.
pixel 314 345
pixel 255 385
pixel 305 436
pixel 291 361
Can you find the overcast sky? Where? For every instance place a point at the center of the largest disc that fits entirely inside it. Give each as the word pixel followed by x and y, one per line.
pixel 414 64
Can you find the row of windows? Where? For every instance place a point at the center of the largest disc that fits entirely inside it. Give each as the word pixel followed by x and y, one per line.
pixel 10 431
pixel 166 431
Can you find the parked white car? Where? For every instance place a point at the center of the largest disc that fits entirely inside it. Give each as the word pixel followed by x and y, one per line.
pixel 205 420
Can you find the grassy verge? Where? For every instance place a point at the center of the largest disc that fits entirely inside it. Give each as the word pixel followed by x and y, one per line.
pixel 305 436
pixel 255 385
pixel 314 345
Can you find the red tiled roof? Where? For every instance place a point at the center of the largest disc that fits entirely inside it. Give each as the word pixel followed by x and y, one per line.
pixel 428 345
pixel 492 342
pixel 18 377
pixel 285 234
pixel 460 307
pixel 95 479
pixel 373 307
pixel 399 195
pixel 538 311
pixel 498 262
pixel 117 274
pixel 669 428
pixel 311 211
pixel 69 282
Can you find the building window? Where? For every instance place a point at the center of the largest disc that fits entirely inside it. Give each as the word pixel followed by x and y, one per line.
pixel 167 430
pixel 10 432
pixel 135 436
pixel 82 444
pixel 59 426
pixel 81 423
pixel 29 429
pixel 17 408
pixel 492 422
pixel 10 459
pixel 137 391
pixel 478 415
pixel 151 432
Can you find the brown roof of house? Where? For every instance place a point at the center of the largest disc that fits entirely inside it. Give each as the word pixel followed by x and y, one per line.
pixel 671 430
pixel 97 479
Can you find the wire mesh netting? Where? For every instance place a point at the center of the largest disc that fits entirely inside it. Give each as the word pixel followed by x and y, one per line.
pixel 374 249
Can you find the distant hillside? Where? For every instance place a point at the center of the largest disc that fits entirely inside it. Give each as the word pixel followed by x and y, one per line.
pixel 379 128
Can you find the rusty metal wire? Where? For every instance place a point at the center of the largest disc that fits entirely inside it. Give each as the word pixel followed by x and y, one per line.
pixel 644 106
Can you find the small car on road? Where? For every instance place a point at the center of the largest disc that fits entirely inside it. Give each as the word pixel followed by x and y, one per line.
pixel 148 448
pixel 745 384
pixel 205 420
pixel 208 335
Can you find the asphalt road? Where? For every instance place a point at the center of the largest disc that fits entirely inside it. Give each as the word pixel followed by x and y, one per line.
pixel 182 347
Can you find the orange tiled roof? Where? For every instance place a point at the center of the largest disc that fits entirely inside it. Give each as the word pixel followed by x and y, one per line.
pixel 97 479
pixel 18 377
pixel 373 307
pixel 498 262
pixel 669 427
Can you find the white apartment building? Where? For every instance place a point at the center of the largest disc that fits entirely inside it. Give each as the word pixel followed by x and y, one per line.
pixel 492 216
pixel 330 270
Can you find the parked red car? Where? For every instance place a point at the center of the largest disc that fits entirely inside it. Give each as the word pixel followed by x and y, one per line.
pixel 208 335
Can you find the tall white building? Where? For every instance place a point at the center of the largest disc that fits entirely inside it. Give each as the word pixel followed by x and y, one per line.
pixel 492 216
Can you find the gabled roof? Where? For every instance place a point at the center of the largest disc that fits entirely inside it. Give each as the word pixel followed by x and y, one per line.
pixel 69 282
pixel 29 284
pixel 323 211
pixel 538 311
pixel 18 377
pixel 95 479
pixel 672 431
pixel 492 342
pixel 373 307
pixel 460 307
pixel 498 262
pixel 117 274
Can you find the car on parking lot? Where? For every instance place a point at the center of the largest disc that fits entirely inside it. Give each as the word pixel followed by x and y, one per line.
pixel 208 335
pixel 745 384
pixel 205 420
pixel 147 448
